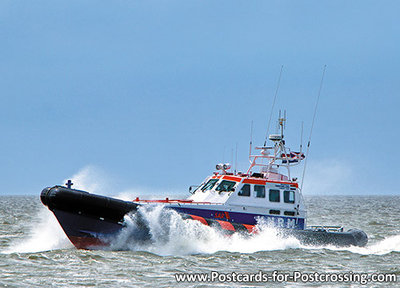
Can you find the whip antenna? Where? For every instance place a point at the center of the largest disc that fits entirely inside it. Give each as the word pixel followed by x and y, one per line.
pixel 236 158
pixel 273 104
pixel 231 156
pixel 312 126
pixel 301 136
pixel 251 139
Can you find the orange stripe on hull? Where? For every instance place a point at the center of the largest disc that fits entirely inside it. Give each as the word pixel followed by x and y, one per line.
pixel 254 181
pixel 226 225
pixel 198 218
pixel 250 228
pixel 232 178
pixel 263 182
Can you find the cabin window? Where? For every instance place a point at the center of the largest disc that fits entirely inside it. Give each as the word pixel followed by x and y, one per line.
pixel 276 212
pixel 260 191
pixel 209 185
pixel 289 213
pixel 245 191
pixel 288 196
pixel 274 195
pixel 226 186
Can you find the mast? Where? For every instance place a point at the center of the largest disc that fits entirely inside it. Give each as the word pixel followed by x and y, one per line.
pixel 276 156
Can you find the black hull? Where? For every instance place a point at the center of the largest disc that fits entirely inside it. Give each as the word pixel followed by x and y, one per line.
pixel 90 221
pixel 353 237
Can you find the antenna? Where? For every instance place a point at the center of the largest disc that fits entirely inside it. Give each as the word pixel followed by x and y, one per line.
pixel 301 137
pixel 273 104
pixel 312 126
pixel 231 155
pixel 251 139
pixel 284 119
pixel 281 122
pixel 236 158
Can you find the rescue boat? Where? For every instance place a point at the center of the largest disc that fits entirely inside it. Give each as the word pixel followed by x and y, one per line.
pixel 230 201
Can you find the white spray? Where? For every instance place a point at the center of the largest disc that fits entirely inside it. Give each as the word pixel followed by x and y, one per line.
pixel 45 235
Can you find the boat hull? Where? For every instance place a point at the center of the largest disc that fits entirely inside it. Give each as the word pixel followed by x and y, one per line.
pixel 91 221
pixel 87 232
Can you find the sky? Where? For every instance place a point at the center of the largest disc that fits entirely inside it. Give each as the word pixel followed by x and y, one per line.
pixel 150 95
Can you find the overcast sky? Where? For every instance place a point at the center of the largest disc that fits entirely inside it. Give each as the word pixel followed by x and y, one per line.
pixel 150 95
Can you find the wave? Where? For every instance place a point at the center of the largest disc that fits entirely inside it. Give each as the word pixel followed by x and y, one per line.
pixel 45 234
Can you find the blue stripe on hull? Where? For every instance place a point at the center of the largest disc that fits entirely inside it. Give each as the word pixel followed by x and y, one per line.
pixel 244 218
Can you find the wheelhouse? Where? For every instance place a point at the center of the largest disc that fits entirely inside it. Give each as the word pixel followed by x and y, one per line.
pixel 264 192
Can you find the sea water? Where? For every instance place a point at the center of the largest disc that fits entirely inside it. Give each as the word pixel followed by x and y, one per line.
pixel 34 251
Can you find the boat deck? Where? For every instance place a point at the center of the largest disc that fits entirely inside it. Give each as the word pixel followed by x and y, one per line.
pixel 167 200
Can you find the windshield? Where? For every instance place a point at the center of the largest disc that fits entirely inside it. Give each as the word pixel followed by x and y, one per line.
pixel 209 185
pixel 226 186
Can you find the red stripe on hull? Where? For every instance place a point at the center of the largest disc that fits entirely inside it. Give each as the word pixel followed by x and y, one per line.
pixel 87 242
